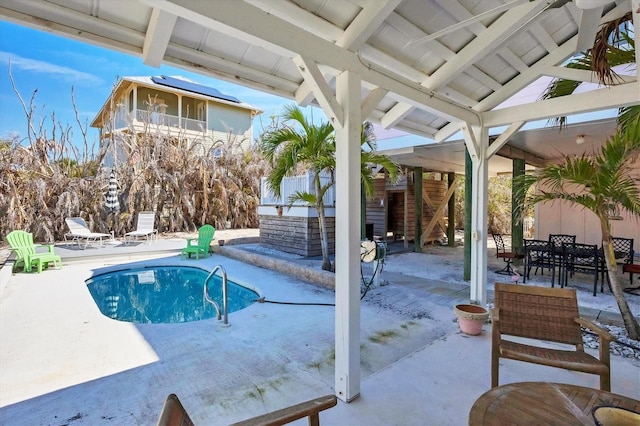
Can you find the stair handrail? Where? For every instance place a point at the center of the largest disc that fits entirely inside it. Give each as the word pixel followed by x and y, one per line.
pixel 224 294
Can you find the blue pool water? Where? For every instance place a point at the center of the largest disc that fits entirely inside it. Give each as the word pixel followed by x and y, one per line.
pixel 163 294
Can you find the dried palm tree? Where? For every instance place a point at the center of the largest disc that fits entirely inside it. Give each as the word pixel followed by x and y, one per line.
pixel 45 178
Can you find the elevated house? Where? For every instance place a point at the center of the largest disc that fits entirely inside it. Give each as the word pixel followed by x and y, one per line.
pixel 176 108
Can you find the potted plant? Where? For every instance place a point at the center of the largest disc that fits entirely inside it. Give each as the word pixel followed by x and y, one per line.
pixel 470 318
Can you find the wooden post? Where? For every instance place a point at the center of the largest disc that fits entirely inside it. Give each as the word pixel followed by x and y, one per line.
pixel 451 216
pixel 417 195
pixel 363 212
pixel 468 179
pixel 517 226
pixel 347 276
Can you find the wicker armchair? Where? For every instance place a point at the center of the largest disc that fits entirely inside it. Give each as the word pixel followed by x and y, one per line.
pixel 174 414
pixel 549 314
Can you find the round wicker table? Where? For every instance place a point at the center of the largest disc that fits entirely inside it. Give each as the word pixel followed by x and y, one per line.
pixel 532 403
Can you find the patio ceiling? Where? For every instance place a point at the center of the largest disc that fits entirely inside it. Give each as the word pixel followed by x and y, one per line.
pixel 427 66
pixel 535 146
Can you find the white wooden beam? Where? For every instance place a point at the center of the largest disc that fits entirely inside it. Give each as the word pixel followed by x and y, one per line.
pixel 583 75
pixel 554 58
pixel 347 323
pixel 366 23
pixel 156 40
pixel 231 71
pixel 479 185
pixel 466 22
pixel 470 140
pixel 543 37
pixel 496 34
pixel 516 84
pixel 503 138
pixel 290 11
pixel 395 115
pixel 252 24
pixel 513 59
pixel 488 40
pixel 595 100
pixel 356 34
pixel 75 25
pixel 321 90
pixel 463 16
pixel 372 100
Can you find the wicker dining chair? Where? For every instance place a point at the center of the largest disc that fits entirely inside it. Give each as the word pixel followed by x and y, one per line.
pixel 547 314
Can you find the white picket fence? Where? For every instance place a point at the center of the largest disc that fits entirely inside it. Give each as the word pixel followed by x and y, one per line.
pixel 291 185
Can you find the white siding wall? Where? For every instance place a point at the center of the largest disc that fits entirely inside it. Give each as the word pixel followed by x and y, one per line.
pixel 561 217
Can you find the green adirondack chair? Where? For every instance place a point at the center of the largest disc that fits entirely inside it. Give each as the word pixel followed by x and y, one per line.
pixel 21 242
pixel 201 245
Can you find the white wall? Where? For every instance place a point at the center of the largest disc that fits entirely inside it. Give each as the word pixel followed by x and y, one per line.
pixel 562 217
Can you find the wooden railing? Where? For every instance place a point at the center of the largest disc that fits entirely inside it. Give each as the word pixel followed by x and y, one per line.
pixel 291 185
pixel 143 116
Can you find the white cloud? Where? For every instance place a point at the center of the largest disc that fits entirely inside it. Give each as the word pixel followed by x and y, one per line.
pixel 55 71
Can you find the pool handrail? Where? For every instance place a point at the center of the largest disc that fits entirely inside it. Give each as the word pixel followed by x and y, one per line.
pixel 224 294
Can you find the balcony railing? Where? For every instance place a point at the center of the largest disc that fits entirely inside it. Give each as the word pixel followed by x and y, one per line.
pixel 168 120
pixel 291 185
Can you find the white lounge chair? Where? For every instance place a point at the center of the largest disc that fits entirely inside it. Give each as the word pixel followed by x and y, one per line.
pixel 144 228
pixel 79 230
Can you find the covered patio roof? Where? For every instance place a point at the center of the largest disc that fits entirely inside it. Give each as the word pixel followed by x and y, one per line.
pixel 535 146
pixel 427 67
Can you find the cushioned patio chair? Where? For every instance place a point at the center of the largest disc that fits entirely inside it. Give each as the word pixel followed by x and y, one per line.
pixel 21 243
pixel 144 228
pixel 79 230
pixel 202 244
pixel 544 314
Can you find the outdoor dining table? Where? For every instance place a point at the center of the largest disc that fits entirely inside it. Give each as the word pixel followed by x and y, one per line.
pixel 530 403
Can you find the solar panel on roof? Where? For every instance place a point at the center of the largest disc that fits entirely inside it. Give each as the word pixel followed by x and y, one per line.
pixel 192 87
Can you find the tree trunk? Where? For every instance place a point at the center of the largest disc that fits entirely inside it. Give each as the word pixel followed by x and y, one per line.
pixel 324 237
pixel 630 323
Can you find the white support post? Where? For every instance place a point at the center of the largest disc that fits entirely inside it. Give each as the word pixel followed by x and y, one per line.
pixel 347 321
pixel 478 137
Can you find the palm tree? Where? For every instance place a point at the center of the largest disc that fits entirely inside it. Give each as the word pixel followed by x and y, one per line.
pixel 303 145
pixel 613 46
pixel 370 157
pixel 602 183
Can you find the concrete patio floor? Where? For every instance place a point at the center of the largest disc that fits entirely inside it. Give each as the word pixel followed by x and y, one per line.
pixel 63 362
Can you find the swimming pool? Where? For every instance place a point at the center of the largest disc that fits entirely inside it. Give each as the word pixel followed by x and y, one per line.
pixel 163 294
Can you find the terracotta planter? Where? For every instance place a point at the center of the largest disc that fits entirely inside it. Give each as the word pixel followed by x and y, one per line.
pixel 471 318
